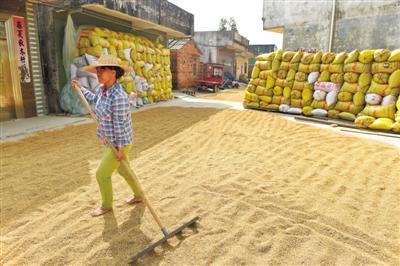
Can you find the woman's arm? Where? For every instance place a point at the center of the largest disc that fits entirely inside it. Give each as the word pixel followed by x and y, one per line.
pixel 90 96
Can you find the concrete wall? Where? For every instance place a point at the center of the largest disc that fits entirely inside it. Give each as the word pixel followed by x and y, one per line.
pixel 158 11
pixel 358 24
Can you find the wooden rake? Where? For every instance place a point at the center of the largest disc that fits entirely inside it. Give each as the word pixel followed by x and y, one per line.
pixel 132 175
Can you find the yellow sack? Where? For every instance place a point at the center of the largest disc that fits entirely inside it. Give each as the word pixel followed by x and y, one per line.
pixel 84 42
pixel 295 94
pixel 251 88
pixel 347 116
pixel 396 127
pixel 344 96
pixel 274 107
pixel 280 82
pixel 366 56
pixel 394 55
pixel 282 74
pixel 337 77
pixel 294 66
pixel 319 104
pixel 335 68
pixel 348 107
pixel 380 111
pixel 307 58
pixel 364 79
pixel 398 104
pixel 262 82
pixel 291 75
pixel 95 50
pixel 317 58
pixel 328 57
pixel 350 87
pixel 278 100
pixel 266 99
pixel 287 56
pixel 252 104
pixel 94 39
pixel 298 85
pixel 270 92
pixel 324 67
pixel 264 65
pixel 284 66
pixel 381 55
pixel 339 58
pixel 261 91
pixel 255 73
pixel 364 121
pixel 385 67
pixel 307 96
pixel 381 78
pixel 351 77
pixel 309 68
pixel 359 98
pixel 333 113
pixel 270 82
pixel 276 64
pixel 250 96
pixel 300 76
pixel 297 57
pixel 381 89
pixel 357 67
pixel 267 73
pixel 307 110
pixel 279 54
pixel 286 93
pixel 325 76
pixel 353 56
pixel 394 79
pixel 382 123
pixel 278 91
pixel 297 103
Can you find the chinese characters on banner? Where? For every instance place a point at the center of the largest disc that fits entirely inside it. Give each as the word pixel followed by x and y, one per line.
pixel 21 49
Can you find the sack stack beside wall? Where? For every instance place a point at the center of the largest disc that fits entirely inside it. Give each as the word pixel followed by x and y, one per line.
pixel 383 92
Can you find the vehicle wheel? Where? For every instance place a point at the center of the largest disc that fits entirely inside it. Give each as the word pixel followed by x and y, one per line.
pixel 216 88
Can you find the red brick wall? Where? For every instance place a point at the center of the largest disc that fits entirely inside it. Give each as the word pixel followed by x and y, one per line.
pixel 184 77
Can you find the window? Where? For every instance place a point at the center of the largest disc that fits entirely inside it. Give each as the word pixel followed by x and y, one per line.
pixel 245 67
pixel 194 66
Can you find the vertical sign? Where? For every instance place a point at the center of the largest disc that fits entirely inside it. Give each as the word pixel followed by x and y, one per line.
pixel 21 49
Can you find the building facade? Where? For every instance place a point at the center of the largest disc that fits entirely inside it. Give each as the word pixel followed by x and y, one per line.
pixel 185 63
pixel 228 48
pixel 32 74
pixel 334 25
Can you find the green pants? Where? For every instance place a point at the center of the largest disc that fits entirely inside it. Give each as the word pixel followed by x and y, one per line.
pixel 106 168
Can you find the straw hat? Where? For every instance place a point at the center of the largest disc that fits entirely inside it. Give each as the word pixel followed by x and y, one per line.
pixel 106 60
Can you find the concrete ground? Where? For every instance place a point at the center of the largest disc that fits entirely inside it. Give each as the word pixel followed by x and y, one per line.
pixel 21 128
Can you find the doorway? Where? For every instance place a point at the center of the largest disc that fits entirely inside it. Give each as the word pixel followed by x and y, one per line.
pixel 7 103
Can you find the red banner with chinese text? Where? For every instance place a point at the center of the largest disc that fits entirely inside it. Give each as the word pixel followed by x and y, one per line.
pixel 21 46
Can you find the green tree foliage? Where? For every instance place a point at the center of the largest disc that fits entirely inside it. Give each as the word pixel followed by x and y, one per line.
pixel 225 25
pixel 222 24
pixel 232 24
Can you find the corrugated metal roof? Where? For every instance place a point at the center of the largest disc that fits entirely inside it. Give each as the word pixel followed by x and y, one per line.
pixel 177 44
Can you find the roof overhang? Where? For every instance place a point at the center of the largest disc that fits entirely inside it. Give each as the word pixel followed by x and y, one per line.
pixel 136 23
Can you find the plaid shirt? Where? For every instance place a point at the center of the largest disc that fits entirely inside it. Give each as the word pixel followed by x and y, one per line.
pixel 113 114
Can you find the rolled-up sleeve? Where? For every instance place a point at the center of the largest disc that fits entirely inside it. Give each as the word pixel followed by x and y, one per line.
pixel 120 113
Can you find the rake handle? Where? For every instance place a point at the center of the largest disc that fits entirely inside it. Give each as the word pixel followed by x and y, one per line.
pixel 124 164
